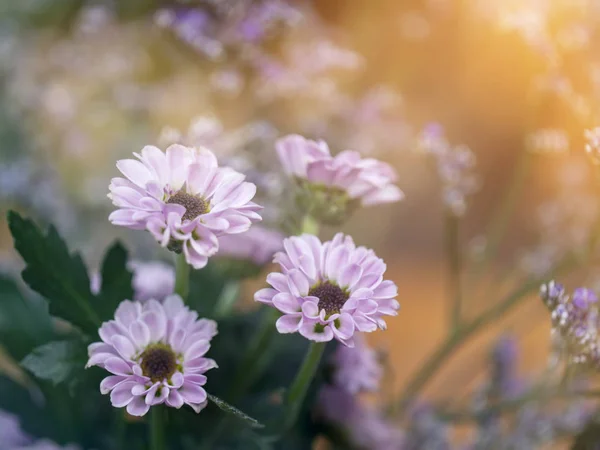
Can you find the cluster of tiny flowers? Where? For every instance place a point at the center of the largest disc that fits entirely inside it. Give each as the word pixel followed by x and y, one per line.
pixel 329 290
pixel 356 370
pixel 548 141
pixel 155 354
pixel 184 199
pixel 215 31
pixel 330 187
pixel 592 145
pixel 455 168
pixel 575 321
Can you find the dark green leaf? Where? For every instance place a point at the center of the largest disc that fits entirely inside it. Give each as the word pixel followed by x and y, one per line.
pixel 224 406
pixel 116 281
pixel 57 361
pixel 206 286
pixel 24 322
pixel 54 273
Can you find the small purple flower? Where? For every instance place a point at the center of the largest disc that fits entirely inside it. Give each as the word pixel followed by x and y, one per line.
pixel 582 298
pixel 257 245
pixel 329 290
pixel 11 433
pixel 155 354
pixel 356 369
pixel 154 279
pixel 368 180
pixel 184 199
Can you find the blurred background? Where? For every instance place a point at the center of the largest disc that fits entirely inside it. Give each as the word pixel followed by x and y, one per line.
pixel 85 83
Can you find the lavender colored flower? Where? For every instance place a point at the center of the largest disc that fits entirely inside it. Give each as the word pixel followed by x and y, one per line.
pixel 184 199
pixel 329 290
pixel 356 369
pixel 45 444
pixel 368 180
pixel 155 354
pixel 504 360
pixel 11 433
pixel 257 245
pixel 455 167
pixel 364 427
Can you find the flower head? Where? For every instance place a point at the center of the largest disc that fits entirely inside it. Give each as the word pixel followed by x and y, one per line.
pixel 184 199
pixel 154 279
pixel 329 290
pixel 257 245
pixel 330 187
pixel 356 369
pixel 155 354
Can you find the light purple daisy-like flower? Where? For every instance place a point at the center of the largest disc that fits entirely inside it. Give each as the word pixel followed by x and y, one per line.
pixel 366 180
pixel 10 431
pixel 329 290
pixel 155 354
pixel 258 245
pixel 184 199
pixel 356 369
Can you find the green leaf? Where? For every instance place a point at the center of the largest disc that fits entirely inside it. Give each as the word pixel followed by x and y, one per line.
pixel 24 322
pixel 54 273
pixel 116 281
pixel 224 406
pixel 56 361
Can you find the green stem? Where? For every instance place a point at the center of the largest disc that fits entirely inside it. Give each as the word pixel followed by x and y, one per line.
pixel 501 218
pixel 309 225
pixel 454 269
pixel 509 405
pixel 299 388
pixel 182 276
pixel 227 299
pixel 455 340
pixel 156 432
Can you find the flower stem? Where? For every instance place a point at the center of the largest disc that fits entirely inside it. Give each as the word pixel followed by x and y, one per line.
pixel 156 432
pixel 454 269
pixel 464 332
pixel 226 299
pixel 297 392
pixel 182 276
pixel 309 225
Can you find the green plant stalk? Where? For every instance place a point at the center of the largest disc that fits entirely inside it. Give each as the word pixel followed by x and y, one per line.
pixel 309 225
pixel 299 388
pixel 501 217
pixel 455 340
pixel 509 405
pixel 182 276
pixel 227 299
pixel 454 269
pixel 156 431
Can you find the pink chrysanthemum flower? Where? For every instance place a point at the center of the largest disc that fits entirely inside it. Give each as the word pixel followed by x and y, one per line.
pixel 334 184
pixel 155 353
pixel 257 245
pixel 184 199
pixel 357 369
pixel 329 290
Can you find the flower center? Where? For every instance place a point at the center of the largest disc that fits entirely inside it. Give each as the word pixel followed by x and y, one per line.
pixel 158 362
pixel 331 297
pixel 194 205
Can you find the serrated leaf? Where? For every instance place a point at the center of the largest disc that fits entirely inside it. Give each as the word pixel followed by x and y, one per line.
pixel 224 406
pixel 116 281
pixel 54 273
pixel 56 361
pixel 24 322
